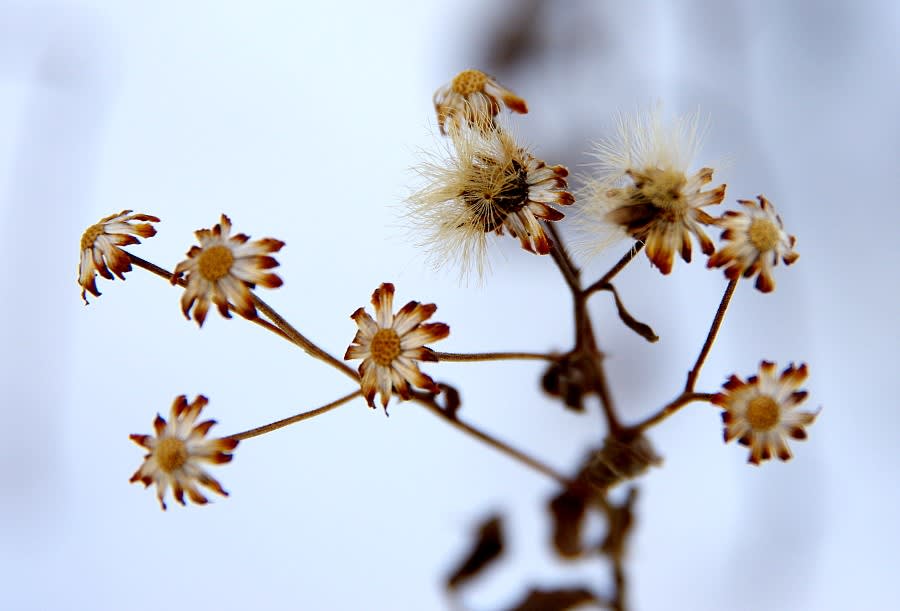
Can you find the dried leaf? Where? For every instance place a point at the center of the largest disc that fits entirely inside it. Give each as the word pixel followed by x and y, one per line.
pixel 642 329
pixel 487 548
pixel 568 509
pixel 556 600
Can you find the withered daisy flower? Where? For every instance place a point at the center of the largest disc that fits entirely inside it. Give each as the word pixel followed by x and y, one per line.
pixel 223 269
pixel 486 183
pixel 756 240
pixel 762 412
pixel 390 344
pixel 100 252
pixel 178 451
pixel 645 190
pixel 475 98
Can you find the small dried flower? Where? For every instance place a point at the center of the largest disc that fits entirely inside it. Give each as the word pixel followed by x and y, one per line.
pixel 487 184
pixel 756 240
pixel 223 269
pixel 762 412
pixel 644 188
pixel 390 344
pixel 178 450
pixel 474 98
pixel 100 252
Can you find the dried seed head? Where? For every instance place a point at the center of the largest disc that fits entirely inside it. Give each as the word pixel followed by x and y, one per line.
pixel 473 99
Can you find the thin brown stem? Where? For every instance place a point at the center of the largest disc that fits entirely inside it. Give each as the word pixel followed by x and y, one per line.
pixel 560 255
pixel 494 356
pixel 711 336
pixel 278 424
pixel 167 275
pixel 608 276
pixel 667 410
pixel 429 403
pixel 301 340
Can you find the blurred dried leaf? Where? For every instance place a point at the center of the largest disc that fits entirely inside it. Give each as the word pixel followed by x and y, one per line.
pixel 556 600
pixel 452 402
pixel 568 509
pixel 642 329
pixel 487 548
pixel 620 519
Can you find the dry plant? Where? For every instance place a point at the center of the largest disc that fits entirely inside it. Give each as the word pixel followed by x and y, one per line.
pixel 642 191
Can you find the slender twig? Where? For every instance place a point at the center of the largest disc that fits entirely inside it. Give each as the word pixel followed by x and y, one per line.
pixel 429 403
pixel 561 257
pixel 667 410
pixel 301 340
pixel 608 276
pixel 493 356
pixel 274 426
pixel 711 336
pixel 167 275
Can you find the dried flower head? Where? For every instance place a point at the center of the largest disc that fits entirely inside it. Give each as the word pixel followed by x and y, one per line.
pixel 488 183
pixel 390 344
pixel 178 450
pixel 223 269
pixel 756 240
pixel 475 98
pixel 762 412
pixel 100 252
pixel 644 188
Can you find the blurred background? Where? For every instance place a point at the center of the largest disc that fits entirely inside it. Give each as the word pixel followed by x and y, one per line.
pixel 302 121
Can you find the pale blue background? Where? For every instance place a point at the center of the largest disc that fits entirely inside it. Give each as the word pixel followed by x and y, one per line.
pixel 301 122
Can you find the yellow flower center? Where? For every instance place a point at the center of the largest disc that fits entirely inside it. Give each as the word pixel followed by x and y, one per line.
pixel 171 454
pixel 663 188
pixel 90 235
pixel 385 347
pixel 763 234
pixel 763 413
pixel 468 82
pixel 215 262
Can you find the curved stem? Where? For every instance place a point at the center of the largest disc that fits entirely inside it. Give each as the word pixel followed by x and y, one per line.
pixel 517 455
pixel 608 276
pixel 493 356
pixel 675 405
pixel 167 275
pixel 711 336
pixel 561 257
pixel 278 424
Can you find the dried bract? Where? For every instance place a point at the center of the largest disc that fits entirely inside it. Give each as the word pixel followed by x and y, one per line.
pixel 756 241
pixel 390 344
pixel 619 460
pixel 101 252
pixel 473 98
pixel 644 189
pixel 761 413
pixel 178 451
pixel 223 269
pixel 486 184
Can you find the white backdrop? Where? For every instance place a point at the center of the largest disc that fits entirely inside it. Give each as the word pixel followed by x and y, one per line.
pixel 302 123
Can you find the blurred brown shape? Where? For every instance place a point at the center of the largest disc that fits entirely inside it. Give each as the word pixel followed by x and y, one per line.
pixel 556 600
pixel 618 461
pixel 487 548
pixel 569 510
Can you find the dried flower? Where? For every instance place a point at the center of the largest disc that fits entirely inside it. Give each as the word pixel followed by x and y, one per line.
pixel 644 188
pixel 178 450
pixel 761 412
pixel 486 184
pixel 390 344
pixel 223 269
pixel 757 240
pixel 474 97
pixel 100 252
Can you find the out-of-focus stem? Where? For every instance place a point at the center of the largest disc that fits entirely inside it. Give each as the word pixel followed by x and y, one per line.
pixel 608 276
pixel 667 410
